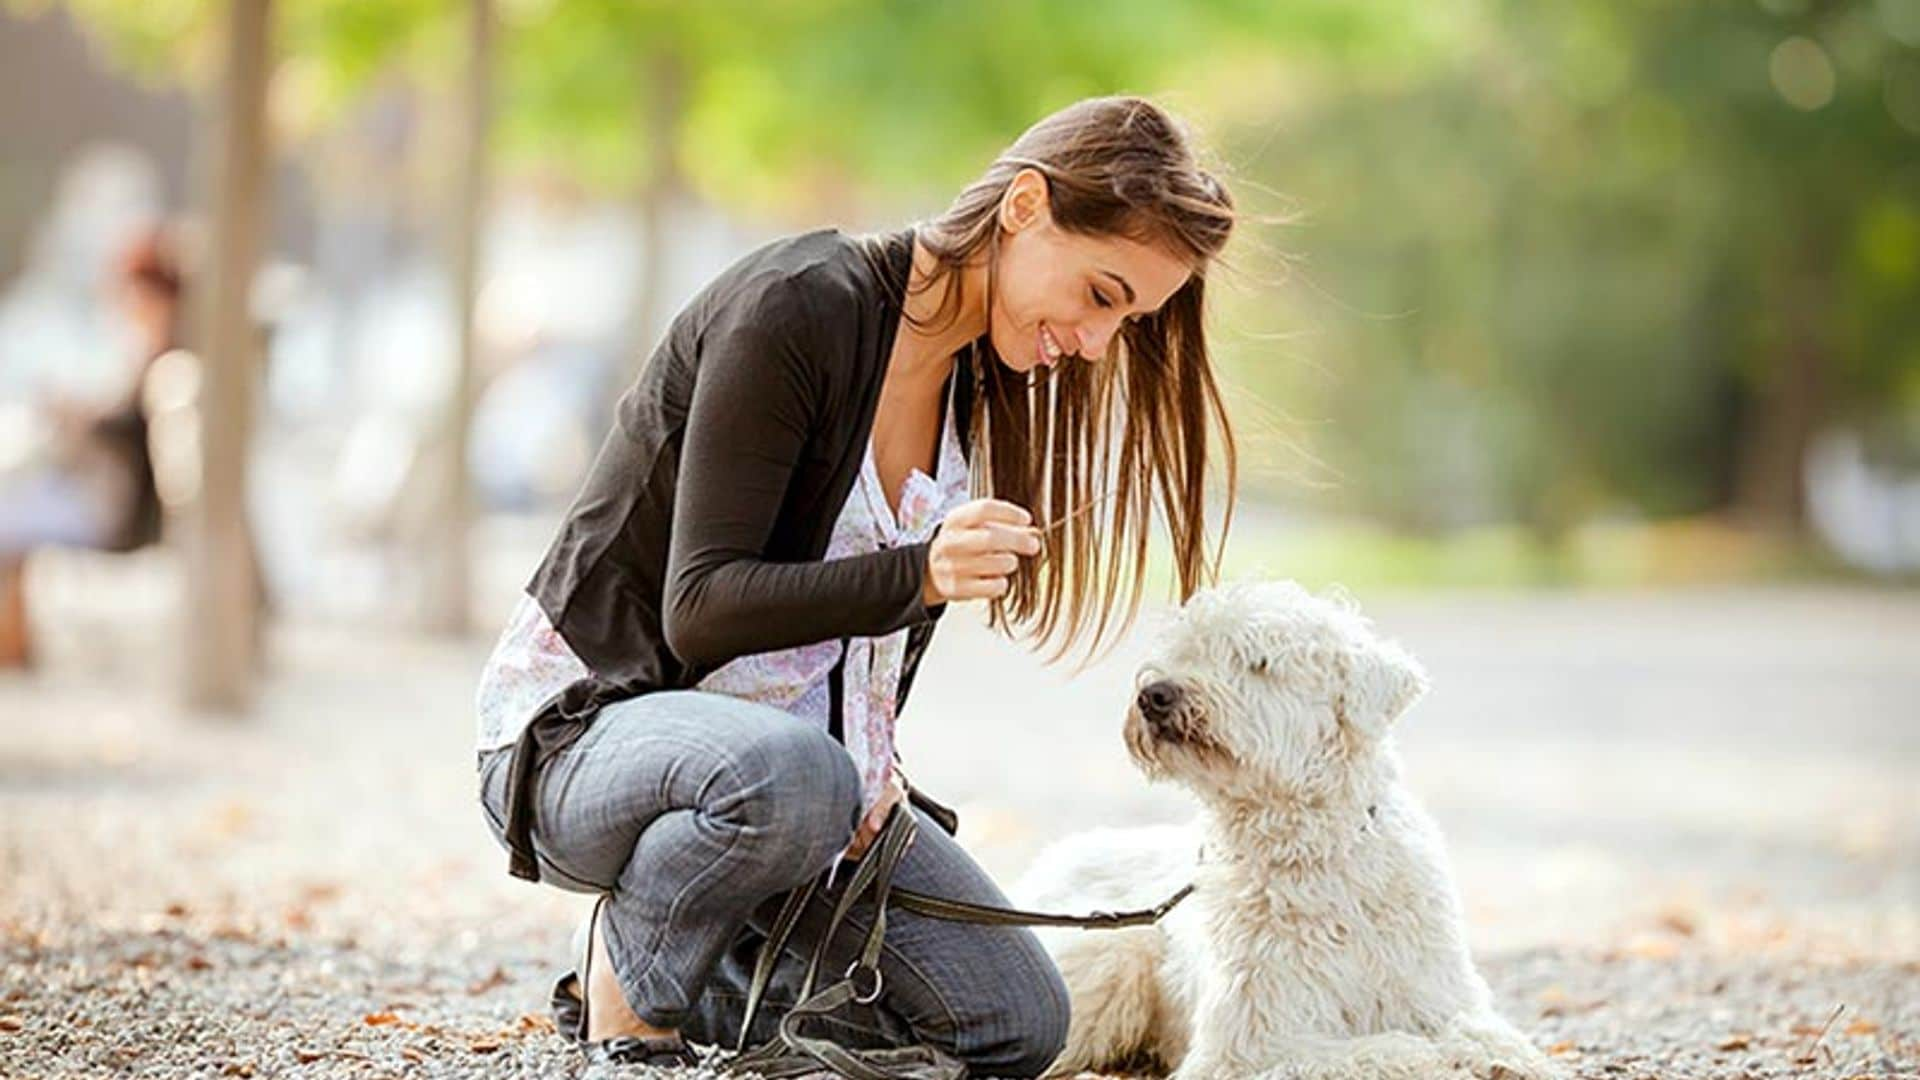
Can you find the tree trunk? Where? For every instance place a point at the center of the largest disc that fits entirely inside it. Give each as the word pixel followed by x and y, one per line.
pixel 660 188
pixel 447 599
pixel 222 609
pixel 1791 404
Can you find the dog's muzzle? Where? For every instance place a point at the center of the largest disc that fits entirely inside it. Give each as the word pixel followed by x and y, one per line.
pixel 1160 704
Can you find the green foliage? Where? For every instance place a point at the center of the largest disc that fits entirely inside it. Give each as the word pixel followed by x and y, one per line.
pixel 775 106
pixel 1558 256
pixel 1567 268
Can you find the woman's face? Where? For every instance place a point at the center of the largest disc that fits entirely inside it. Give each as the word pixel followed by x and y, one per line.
pixel 1059 294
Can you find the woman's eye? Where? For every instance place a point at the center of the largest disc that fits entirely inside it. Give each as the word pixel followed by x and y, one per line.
pixel 1100 298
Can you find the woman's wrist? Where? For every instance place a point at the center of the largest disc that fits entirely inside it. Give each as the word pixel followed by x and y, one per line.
pixel 930 594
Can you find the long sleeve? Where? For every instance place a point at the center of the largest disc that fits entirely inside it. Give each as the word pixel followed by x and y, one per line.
pixel 754 405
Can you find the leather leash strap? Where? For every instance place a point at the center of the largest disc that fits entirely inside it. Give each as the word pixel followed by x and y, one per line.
pixel 791 1054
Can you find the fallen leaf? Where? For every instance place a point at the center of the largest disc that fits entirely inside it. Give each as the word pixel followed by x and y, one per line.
pixel 1862 1027
pixel 196 962
pixel 413 1055
pixel 485 1044
pixel 1678 922
pixel 1737 1042
pixel 531 1022
pixel 177 910
pixel 229 819
pixel 308 1057
pixel 498 978
pixel 320 892
pixel 1560 1048
pixel 1647 947
pixel 298 919
pixel 11 1023
pixel 379 1018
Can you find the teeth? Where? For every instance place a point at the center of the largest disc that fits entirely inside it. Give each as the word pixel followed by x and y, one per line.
pixel 1052 346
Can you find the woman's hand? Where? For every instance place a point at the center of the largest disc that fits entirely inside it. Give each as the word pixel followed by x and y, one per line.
pixel 976 551
pixel 863 837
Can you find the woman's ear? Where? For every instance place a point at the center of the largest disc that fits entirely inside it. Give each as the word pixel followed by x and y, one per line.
pixel 1025 203
pixel 1380 680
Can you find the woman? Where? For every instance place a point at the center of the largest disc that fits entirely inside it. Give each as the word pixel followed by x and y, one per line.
pixel 691 711
pixel 98 490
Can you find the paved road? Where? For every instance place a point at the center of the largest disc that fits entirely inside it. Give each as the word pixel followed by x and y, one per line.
pixel 1599 763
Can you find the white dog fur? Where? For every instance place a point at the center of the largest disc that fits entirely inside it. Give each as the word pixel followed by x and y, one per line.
pixel 1323 938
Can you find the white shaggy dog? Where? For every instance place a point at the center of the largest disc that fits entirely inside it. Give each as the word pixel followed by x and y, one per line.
pixel 1323 937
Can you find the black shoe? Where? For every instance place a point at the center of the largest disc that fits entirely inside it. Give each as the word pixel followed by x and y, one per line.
pixel 569 1002
pixel 660 1051
pixel 567 1005
pixel 569 1015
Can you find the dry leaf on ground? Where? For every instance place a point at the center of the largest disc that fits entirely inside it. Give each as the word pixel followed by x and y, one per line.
pixel 497 978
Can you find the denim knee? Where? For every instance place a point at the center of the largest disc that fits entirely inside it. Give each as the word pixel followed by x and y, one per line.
pixel 799 794
pixel 1044 1009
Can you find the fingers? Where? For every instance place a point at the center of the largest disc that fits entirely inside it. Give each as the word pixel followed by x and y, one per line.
pixel 995 537
pixel 986 550
pixel 965 562
pixel 978 549
pixel 870 825
pixel 978 588
pixel 986 511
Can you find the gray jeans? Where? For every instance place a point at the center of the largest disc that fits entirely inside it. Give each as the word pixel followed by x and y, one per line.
pixel 698 811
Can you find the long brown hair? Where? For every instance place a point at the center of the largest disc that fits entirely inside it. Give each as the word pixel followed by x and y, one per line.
pixel 1045 440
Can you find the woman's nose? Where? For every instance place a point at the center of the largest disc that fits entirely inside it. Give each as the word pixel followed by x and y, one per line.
pixel 1072 341
pixel 1093 337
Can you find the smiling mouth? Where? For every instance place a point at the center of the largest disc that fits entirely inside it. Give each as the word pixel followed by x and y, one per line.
pixel 1050 350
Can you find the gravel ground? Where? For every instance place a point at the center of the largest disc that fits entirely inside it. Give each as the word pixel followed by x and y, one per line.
pixel 312 892
pixel 189 996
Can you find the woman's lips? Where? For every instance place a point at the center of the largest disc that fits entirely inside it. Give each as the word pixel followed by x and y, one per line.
pixel 1047 346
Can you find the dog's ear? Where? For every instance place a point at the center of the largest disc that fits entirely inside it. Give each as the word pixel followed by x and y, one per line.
pixel 1381 681
pixel 1341 598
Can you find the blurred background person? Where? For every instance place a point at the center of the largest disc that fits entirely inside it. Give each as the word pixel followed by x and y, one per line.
pixel 88 479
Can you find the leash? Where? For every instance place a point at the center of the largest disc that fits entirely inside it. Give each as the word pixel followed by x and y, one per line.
pixel 789 1053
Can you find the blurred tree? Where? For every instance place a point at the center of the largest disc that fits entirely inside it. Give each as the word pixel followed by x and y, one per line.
pixel 1591 257
pixel 799 109
pixel 824 108
pixel 1613 256
pixel 807 108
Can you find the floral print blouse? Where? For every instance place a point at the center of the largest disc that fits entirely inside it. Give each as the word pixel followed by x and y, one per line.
pixel 531 662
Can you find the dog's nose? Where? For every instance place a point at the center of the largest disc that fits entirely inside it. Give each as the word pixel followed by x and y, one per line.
pixel 1157 699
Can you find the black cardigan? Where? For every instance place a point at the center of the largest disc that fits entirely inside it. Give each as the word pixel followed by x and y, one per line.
pixel 698 534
